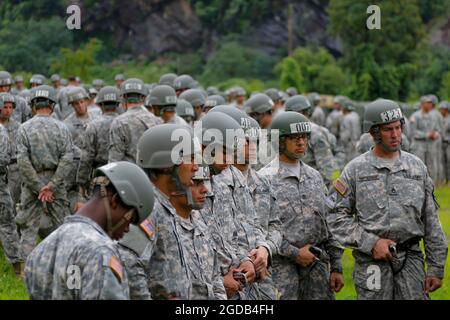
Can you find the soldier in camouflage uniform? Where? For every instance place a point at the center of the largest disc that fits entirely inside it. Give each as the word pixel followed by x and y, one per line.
pixel 211 102
pixel 19 84
pixel 426 136
pixel 318 115
pixel 265 203
pixel 231 187
pixel 444 108
pixel 334 117
pixel 163 100
pixel 79 260
pixel 127 128
pixel 169 265
pixel 96 137
pixel 382 206
pixel 319 154
pixel 366 142
pixel 218 214
pixel 63 108
pixel 22 111
pixel 349 129
pixel 44 156
pixel 14 179
pixel 185 110
pixel 309 263
pixel 277 99
pixel 182 83
pixel 78 120
pixel 9 238
pixel 201 252
pixel 167 79
pixel 197 99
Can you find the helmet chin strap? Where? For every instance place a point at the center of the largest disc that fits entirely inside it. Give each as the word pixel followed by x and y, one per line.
pixel 290 155
pixel 103 182
pixel 180 188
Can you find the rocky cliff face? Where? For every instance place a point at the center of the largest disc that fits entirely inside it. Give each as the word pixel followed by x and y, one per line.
pixel 146 27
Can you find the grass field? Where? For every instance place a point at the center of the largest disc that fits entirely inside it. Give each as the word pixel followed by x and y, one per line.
pixel 11 288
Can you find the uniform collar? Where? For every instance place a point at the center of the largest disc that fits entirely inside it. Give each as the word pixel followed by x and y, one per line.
pixel 76 218
pixel 164 200
pixel 398 165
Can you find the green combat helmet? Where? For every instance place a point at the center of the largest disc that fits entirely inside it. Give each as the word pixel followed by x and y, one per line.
pixel 183 82
pixel 119 77
pixel 109 96
pixel 347 105
pixel 239 116
pixel 98 84
pixel 37 80
pixel 299 103
pixel 214 130
pixel 132 90
pixel 92 92
pixel 212 101
pixel 185 110
pixel 163 98
pixel 194 96
pixel 314 98
pixel 381 111
pixel 289 123
pixel 259 103
pixel 291 91
pixel 444 105
pixel 55 78
pixel 211 91
pixel 340 99
pixel 43 96
pixel 239 92
pixel 274 94
pixel 6 97
pixel 5 79
pixel 18 78
pixel 167 79
pixel 76 94
pixel 133 187
pixel 166 146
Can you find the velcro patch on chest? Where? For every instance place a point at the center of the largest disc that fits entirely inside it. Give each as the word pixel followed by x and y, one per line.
pixel 116 267
pixel 413 176
pixel 147 227
pixel 369 178
pixel 340 187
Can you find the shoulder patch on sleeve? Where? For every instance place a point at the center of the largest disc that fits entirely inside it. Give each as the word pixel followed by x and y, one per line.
pixel 116 267
pixel 340 187
pixel 147 227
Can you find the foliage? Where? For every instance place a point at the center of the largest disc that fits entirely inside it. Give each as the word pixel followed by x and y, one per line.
pixel 291 76
pixel 381 61
pixel 318 69
pixel 230 16
pixel 79 61
pixel 26 45
pixel 233 60
pixel 445 87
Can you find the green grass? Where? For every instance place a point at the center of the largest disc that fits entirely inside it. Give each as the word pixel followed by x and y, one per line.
pixel 12 288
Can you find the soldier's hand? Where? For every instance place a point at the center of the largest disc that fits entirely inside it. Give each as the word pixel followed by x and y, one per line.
pixel 260 258
pixel 249 270
pixel 432 284
pixel 231 285
pixel 46 195
pixel 381 250
pixel 336 281
pixel 305 257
